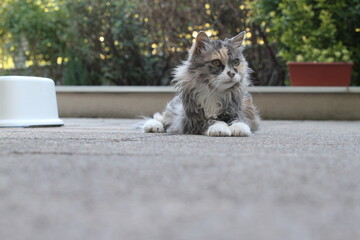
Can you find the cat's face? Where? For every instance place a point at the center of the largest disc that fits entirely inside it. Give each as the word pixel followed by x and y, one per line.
pixel 219 64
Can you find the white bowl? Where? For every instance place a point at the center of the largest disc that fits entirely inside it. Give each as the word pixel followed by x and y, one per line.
pixel 28 102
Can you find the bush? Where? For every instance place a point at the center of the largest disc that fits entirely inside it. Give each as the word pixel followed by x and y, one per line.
pixel 311 30
pixel 134 42
pixel 107 40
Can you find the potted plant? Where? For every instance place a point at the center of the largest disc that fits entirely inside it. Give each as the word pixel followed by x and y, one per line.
pixel 306 36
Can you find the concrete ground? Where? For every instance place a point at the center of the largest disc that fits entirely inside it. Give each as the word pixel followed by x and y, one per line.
pixel 101 179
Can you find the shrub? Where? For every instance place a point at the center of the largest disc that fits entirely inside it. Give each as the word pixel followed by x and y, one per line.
pixel 135 42
pixel 311 30
pixel 107 40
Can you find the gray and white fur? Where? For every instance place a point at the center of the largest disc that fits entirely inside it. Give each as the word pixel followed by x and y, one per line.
pixel 211 94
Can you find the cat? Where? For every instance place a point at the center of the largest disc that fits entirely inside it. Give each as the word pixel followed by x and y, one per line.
pixel 211 96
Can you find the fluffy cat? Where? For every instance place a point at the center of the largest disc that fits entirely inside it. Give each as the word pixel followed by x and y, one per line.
pixel 211 94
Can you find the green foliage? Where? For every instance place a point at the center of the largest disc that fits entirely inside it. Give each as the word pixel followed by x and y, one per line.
pixel 76 73
pixel 121 42
pixel 347 20
pixel 305 30
pixel 109 40
pixel 32 30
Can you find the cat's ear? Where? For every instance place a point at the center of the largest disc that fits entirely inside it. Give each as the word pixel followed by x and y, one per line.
pixel 237 41
pixel 200 42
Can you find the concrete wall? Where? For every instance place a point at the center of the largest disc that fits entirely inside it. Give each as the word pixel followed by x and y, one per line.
pixel 306 103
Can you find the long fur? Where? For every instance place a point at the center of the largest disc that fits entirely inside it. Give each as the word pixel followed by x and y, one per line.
pixel 208 94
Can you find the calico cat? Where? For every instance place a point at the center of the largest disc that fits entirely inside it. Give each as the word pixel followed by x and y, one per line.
pixel 211 94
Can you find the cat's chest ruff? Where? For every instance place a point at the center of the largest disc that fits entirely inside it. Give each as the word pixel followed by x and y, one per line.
pixel 212 105
pixel 212 108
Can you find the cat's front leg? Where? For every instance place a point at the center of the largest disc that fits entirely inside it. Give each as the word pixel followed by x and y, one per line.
pixel 240 129
pixel 154 125
pixel 218 129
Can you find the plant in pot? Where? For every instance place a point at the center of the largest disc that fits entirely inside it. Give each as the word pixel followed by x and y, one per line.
pixel 306 36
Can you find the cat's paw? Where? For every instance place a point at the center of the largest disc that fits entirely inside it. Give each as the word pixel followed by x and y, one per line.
pixel 153 126
pixel 219 129
pixel 240 129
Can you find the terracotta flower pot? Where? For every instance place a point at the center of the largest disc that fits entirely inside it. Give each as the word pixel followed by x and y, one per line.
pixel 320 74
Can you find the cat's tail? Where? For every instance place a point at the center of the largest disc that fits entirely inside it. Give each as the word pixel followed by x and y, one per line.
pixel 154 125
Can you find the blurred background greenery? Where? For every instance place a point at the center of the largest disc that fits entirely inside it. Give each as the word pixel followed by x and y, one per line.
pixel 138 42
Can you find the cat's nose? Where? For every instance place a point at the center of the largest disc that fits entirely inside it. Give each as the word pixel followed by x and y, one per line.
pixel 230 74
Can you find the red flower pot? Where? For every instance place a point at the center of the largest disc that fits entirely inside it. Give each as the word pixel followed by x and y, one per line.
pixel 320 74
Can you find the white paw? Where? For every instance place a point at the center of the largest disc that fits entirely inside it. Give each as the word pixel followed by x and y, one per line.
pixel 153 126
pixel 240 129
pixel 219 129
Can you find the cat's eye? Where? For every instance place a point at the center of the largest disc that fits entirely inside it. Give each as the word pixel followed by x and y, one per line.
pixel 216 63
pixel 236 62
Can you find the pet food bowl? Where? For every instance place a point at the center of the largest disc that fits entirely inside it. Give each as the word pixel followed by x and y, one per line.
pixel 28 102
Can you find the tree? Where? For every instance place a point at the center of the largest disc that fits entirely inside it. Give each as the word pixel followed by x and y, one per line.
pixel 32 32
